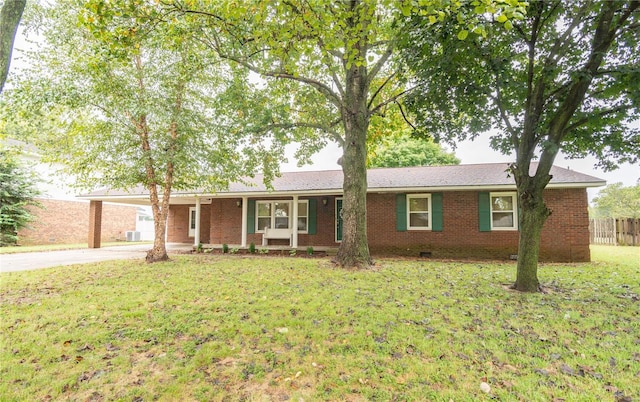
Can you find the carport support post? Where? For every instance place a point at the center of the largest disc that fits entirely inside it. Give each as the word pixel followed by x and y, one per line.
pixel 95 223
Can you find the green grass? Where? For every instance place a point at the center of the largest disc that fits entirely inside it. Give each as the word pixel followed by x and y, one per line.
pixel 214 327
pixel 57 247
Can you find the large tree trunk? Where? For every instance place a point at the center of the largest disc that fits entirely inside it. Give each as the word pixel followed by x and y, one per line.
pixel 354 250
pixel 533 213
pixel 10 15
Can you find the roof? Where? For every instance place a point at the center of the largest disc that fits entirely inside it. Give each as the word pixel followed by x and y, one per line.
pixel 405 179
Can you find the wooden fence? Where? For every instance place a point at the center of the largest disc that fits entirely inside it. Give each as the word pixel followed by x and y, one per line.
pixel 618 232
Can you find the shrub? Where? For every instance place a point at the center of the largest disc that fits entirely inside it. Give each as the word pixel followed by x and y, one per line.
pixel 310 250
pixel 252 248
pixel 225 248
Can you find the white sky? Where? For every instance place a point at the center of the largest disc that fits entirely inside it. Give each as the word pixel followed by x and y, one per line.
pixel 469 152
pixel 479 151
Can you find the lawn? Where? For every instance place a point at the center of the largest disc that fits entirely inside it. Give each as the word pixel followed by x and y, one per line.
pixel 213 327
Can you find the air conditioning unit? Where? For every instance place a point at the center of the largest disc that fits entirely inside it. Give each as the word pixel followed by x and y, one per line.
pixel 133 236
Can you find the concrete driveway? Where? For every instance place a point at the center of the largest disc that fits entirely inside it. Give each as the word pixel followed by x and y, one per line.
pixel 47 259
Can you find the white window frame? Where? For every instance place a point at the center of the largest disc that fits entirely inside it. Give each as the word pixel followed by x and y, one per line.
pixel 306 202
pixel 273 211
pixel 514 201
pixel 192 223
pixel 429 211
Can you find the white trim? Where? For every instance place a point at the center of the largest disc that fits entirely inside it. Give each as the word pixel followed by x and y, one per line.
pixel 191 231
pixel 196 237
pixel 273 217
pixel 294 223
pixel 429 211
pixel 514 200
pixel 245 209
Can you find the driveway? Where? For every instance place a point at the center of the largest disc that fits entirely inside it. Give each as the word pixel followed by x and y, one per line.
pixel 47 259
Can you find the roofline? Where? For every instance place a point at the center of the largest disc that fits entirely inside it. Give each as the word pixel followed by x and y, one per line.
pixel 253 194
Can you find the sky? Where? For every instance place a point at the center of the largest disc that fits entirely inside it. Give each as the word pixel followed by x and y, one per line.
pixel 469 152
pixel 479 151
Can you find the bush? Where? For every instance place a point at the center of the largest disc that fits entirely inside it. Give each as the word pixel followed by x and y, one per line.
pixel 225 248
pixel 252 248
pixel 310 250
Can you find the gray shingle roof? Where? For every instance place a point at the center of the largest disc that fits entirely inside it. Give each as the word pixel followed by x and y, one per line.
pixel 424 178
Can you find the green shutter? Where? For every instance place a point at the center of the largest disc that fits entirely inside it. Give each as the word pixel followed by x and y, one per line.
pixel 401 212
pixel 436 212
pixel 484 212
pixel 251 216
pixel 312 216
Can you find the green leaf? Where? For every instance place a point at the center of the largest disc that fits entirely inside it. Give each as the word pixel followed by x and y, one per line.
pixel 462 35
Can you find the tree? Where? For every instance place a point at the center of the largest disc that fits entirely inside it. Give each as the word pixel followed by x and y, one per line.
pixel 566 77
pixel 127 102
pixel 10 14
pixel 404 150
pixel 334 62
pixel 18 191
pixel 616 201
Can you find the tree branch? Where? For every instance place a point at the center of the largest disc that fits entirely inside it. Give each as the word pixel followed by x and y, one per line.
pixel 598 115
pixel 380 63
pixel 391 100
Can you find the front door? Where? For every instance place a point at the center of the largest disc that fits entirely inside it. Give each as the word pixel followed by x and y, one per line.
pixel 338 219
pixel 192 222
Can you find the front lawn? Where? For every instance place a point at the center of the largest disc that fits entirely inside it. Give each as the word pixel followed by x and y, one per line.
pixel 213 327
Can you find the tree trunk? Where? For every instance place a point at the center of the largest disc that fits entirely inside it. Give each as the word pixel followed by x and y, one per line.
pixel 10 15
pixel 159 250
pixel 160 213
pixel 532 215
pixel 354 250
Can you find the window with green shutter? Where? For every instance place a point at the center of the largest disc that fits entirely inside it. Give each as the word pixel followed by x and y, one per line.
pixel 401 212
pixel 251 216
pixel 484 212
pixel 436 212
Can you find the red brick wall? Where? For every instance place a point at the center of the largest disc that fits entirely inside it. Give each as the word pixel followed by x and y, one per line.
pixel 178 224
pixel 66 222
pixel 565 236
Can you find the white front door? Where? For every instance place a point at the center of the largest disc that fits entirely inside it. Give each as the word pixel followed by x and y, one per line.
pixel 192 221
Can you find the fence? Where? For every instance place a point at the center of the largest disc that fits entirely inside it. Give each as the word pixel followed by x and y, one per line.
pixel 621 231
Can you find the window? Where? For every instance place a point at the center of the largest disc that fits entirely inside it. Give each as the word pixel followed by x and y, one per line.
pixel 264 215
pixel 277 214
pixel 303 215
pixel 504 211
pixel 419 211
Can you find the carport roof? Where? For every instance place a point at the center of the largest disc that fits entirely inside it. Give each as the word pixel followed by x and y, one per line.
pixel 492 176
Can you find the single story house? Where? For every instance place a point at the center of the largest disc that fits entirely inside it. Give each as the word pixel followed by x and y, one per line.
pixel 459 211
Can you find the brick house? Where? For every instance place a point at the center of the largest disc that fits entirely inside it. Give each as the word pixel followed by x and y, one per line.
pixel 446 211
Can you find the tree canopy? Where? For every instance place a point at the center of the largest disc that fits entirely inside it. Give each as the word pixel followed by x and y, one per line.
pixel 18 192
pixel 403 151
pixel 617 201
pixel 564 76
pixel 122 101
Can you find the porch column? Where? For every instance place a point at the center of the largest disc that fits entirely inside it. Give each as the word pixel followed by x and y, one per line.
pixel 95 223
pixel 294 241
pixel 245 209
pixel 196 235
